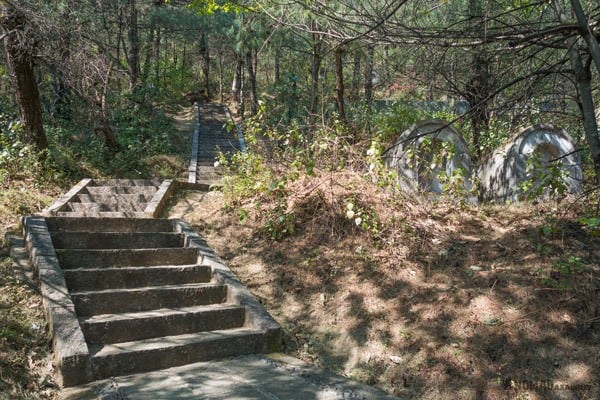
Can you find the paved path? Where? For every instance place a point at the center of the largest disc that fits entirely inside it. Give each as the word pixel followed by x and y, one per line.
pixel 256 377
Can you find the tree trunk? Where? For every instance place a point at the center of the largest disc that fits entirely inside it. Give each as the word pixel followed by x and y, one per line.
pixel 252 81
pixel 355 76
pixel 221 78
pixel 20 62
pixel 236 86
pixel 583 78
pixel 369 75
pixel 315 70
pixel 586 32
pixel 157 42
pixel 134 45
pixel 477 89
pixel 205 57
pixel 110 140
pixel 339 80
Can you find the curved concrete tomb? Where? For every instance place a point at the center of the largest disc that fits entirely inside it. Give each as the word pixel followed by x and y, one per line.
pixel 426 152
pixel 540 146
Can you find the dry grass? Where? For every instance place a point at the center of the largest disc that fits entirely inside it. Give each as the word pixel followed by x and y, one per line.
pixel 26 370
pixel 430 299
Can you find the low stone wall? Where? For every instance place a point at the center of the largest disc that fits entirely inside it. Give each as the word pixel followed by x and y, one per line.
pixel 412 157
pixel 501 175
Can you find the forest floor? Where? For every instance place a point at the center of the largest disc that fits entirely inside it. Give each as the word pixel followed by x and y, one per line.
pixel 455 302
pixel 26 370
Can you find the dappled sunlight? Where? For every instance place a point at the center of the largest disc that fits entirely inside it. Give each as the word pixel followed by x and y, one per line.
pixel 451 306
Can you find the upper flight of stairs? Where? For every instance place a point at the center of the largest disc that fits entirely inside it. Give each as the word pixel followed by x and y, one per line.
pixel 210 138
pixel 127 295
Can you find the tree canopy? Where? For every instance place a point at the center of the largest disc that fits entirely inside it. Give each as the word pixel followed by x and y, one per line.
pixel 511 63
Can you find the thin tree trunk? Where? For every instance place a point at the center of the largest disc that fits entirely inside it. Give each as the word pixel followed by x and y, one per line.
pixel 478 89
pixel 134 45
pixel 369 75
pixel 221 78
pixel 205 57
pixel 145 69
pixel 339 80
pixel 236 86
pixel 355 76
pixel 583 78
pixel 157 43
pixel 315 70
pixel 20 62
pixel 252 82
pixel 586 32
pixel 110 140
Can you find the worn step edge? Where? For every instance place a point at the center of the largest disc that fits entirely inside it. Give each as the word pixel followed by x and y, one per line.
pixel 170 351
pixel 107 190
pixel 111 198
pixel 116 240
pixel 94 224
pixel 88 207
pixel 125 182
pixel 83 279
pixel 256 316
pixel 125 327
pixel 75 258
pixel 102 214
pixel 91 302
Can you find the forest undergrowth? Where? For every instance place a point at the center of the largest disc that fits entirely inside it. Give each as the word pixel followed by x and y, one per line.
pixel 425 296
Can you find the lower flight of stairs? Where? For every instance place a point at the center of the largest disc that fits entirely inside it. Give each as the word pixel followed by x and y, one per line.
pixel 127 295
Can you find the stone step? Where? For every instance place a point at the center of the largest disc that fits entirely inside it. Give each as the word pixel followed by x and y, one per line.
pixel 85 258
pixel 126 327
pixel 92 224
pixel 107 190
pixel 79 207
pixel 102 214
pixel 113 198
pixel 117 301
pixel 116 240
pixel 126 182
pixel 131 277
pixel 170 351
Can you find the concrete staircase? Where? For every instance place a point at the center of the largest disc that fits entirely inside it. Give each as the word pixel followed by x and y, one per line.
pixel 128 295
pixel 128 198
pixel 210 137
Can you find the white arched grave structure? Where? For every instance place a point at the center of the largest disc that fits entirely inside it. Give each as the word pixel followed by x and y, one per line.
pixel 425 152
pixel 502 174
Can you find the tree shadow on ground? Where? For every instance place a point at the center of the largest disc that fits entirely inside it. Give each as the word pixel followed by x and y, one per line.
pixel 461 315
